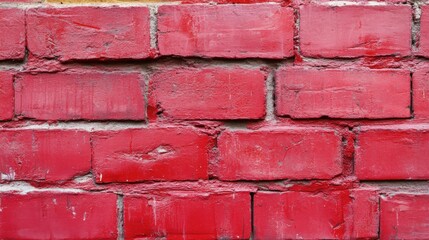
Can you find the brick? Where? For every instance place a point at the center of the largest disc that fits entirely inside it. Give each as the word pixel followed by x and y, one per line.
pixel 342 93
pixel 58 216
pixel 392 152
pixel 228 31
pixel 74 96
pixel 355 31
pixel 188 216
pixel 6 96
pixel 421 93
pixel 424 32
pixel 279 153
pixel 155 153
pixel 404 217
pixel 85 33
pixel 210 93
pixel 305 215
pixel 12 37
pixel 44 155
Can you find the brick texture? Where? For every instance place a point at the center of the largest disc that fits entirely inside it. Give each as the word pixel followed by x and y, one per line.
pixel 58 216
pixel 74 96
pixel 230 31
pixel 206 216
pixel 84 33
pixel 353 31
pixel 393 152
pixel 12 39
pixel 404 216
pixel 348 93
pixel 213 93
pixel 214 119
pixel 276 153
pixel 329 215
pixel 44 155
pixel 151 154
pixel 6 96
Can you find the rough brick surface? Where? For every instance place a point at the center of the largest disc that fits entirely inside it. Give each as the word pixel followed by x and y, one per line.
pixel 214 119
pixel 151 154
pixel 404 217
pixel 47 215
pixel 72 96
pixel 229 31
pixel 392 152
pixel 82 33
pixel 190 216
pixel 12 37
pixel 44 155
pixel 328 215
pixel 279 153
pixel 213 93
pixel 6 96
pixel 353 31
pixel 345 93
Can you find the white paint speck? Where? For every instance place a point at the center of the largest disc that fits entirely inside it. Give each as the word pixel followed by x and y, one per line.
pixel 8 176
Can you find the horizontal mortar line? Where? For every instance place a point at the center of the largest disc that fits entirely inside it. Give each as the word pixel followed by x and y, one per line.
pixel 88 126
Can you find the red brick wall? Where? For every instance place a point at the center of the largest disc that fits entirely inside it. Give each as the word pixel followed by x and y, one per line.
pixel 295 119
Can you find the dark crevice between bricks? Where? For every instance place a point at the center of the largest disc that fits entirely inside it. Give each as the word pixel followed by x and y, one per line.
pixel 252 215
pixel 411 96
pixel 120 217
pixel 380 196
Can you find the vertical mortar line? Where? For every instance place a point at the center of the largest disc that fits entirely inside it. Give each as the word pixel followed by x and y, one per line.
pixel 252 216
pixel 296 39
pixel 270 98
pixel 355 146
pixel 415 26
pixel 145 92
pixel 120 216
pixel 153 9
pixel 27 52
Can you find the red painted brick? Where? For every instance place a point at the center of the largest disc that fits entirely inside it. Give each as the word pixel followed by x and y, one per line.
pixel 72 96
pixel 343 93
pixel 44 155
pixel 12 37
pixel 279 153
pixel 230 31
pixel 81 33
pixel 392 152
pixel 327 215
pixel 6 96
pixel 404 217
pixel 354 31
pixel 58 216
pixel 424 32
pixel 164 153
pixel 188 216
pixel 211 93
pixel 421 93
